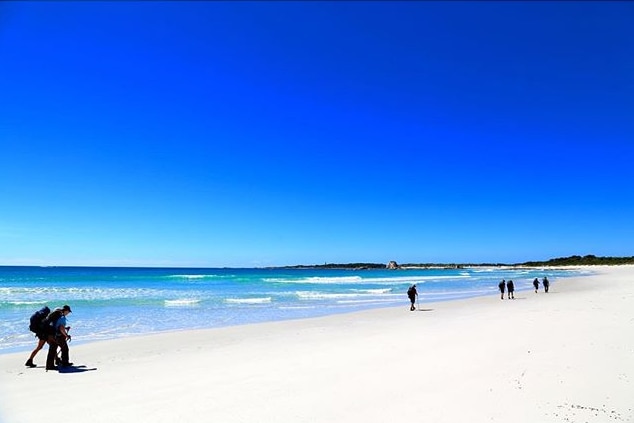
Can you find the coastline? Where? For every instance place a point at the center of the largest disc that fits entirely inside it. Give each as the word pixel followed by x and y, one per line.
pixel 122 302
pixel 561 356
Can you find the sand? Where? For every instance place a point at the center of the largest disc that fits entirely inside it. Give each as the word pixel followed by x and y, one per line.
pixel 565 356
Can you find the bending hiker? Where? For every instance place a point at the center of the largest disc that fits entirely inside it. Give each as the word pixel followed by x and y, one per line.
pixel 510 288
pixel 546 283
pixel 36 326
pixel 412 294
pixel 58 336
pixel 536 285
pixel 501 285
pixel 61 333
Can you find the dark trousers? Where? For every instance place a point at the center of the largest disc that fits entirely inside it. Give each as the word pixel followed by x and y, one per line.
pixel 54 342
pixel 52 351
pixel 63 345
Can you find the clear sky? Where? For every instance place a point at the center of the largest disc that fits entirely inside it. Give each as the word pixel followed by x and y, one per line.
pixel 273 133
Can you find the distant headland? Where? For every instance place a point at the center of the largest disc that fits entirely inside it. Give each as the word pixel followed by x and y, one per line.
pixel 588 260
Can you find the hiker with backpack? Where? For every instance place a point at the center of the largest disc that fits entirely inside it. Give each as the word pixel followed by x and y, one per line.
pixel 501 287
pixel 510 290
pixel 546 283
pixel 536 284
pixel 36 325
pixel 58 336
pixel 412 294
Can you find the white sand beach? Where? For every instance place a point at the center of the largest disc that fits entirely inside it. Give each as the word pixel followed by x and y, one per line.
pixel 565 356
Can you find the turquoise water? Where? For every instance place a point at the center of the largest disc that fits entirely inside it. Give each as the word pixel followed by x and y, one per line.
pixel 116 302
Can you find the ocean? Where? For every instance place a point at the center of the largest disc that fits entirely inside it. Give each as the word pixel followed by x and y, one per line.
pixel 117 302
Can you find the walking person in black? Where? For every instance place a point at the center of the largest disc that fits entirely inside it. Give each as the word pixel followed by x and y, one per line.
pixel 536 285
pixel 501 285
pixel 510 289
pixel 412 294
pixel 546 283
pixel 58 337
pixel 36 325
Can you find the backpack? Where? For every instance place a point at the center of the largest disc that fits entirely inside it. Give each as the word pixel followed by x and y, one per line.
pixel 37 319
pixel 410 292
pixel 48 324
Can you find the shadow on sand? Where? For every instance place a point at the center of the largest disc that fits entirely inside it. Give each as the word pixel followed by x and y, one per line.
pixel 76 369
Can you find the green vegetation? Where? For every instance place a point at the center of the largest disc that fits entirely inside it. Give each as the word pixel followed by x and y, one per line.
pixel 581 261
pixel 562 261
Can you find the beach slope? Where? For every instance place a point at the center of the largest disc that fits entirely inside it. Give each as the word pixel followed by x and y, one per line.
pixel 565 356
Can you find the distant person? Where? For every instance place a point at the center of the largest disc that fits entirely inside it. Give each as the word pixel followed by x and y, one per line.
pixel 502 285
pixel 510 289
pixel 58 337
pixel 412 294
pixel 536 285
pixel 546 283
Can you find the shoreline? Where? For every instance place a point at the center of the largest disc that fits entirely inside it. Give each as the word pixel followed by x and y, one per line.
pixel 187 300
pixel 550 357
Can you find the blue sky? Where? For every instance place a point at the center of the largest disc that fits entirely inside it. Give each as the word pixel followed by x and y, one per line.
pixel 275 133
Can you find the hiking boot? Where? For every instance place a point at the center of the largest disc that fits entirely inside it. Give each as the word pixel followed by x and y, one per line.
pixel 29 363
pixel 52 368
pixel 65 364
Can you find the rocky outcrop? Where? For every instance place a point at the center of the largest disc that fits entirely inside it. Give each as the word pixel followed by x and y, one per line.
pixel 392 265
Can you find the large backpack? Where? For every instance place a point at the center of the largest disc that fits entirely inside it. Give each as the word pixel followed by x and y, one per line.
pixel 48 324
pixel 37 319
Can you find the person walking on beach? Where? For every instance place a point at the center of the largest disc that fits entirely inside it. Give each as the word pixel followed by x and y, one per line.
pixel 58 337
pixel 62 336
pixel 501 285
pixel 546 284
pixel 510 289
pixel 412 294
pixel 36 325
pixel 536 285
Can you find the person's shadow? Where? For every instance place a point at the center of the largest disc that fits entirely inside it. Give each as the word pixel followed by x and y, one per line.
pixel 75 369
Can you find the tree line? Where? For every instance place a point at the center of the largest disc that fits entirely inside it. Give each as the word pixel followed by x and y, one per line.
pixel 581 261
pixel 586 260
